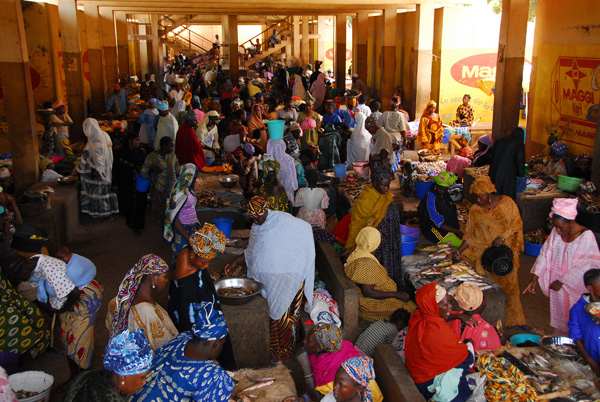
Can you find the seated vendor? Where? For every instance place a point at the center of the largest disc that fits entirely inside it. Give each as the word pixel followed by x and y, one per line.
pixel 582 328
pixel 330 117
pixel 471 300
pixel 465 113
pixel 49 175
pixel 483 155
pixel 437 213
pixel 433 350
pixel 378 295
pixel 385 332
pixel 557 164
pixel 583 166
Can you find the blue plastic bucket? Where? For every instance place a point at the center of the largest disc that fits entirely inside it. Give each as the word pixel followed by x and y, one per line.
pixel 407 230
pixel 275 129
pixel 142 185
pixel 522 338
pixel 421 188
pixel 409 243
pixel 532 249
pixel 224 225
pixel 209 161
pixel 340 171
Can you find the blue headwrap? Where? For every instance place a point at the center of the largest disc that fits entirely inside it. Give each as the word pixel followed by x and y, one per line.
pixel 249 148
pixel 154 100
pixel 128 353
pixel 560 148
pixel 360 369
pixel 208 323
pixel 162 106
pixel 80 270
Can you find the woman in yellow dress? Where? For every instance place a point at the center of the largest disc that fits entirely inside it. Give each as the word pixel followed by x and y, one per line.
pixel 431 130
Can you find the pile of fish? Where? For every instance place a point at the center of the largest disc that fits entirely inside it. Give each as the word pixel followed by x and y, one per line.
pixel 427 167
pixel 589 202
pixel 482 170
pixel 257 383
pixel 463 213
pixel 537 236
pixel 351 189
pixel 238 272
pixel 233 292
pixel 209 199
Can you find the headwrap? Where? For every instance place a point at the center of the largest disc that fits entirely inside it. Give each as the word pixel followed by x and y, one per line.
pixel 128 353
pixel 432 347
pixel 213 113
pixel 57 104
pixel 588 187
pixel 162 106
pixel 99 147
pixel 468 296
pixel 207 241
pixel 258 95
pixel 354 75
pixel 430 103
pixel 380 173
pixel 395 101
pixel 466 152
pixel 117 87
pixel 179 193
pixel 149 264
pixel 268 163
pixel 482 185
pixel 560 148
pixel 190 116
pixel 329 337
pixel 44 163
pixel 208 323
pixel 445 179
pixel 367 241
pixel 486 140
pixel 565 207
pixel 440 293
pixel 236 102
pixel 249 148
pixel 371 122
pixel 583 156
pixel 154 101
pixel 53 272
pixel 360 369
pixel 294 126
pixel 257 207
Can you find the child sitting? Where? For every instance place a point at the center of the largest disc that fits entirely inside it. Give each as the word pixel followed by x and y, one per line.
pixel 582 328
pixel 392 331
pixel 471 300
pixel 312 200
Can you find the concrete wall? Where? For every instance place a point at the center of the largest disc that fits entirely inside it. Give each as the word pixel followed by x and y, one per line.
pixel 566 59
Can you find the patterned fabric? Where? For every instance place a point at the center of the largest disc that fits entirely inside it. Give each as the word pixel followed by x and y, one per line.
pixel 96 198
pixel 180 242
pixel 484 336
pixel 77 326
pixel 465 113
pixel 365 271
pixel 279 202
pixel 379 333
pixel 560 148
pixel 369 209
pixel 312 202
pixel 162 181
pixel 149 264
pixel 208 323
pixel 285 331
pixel 23 327
pixel 504 382
pixel 329 337
pixel 445 179
pixel 361 370
pixel 178 197
pixel 482 185
pixel 174 377
pixel 431 131
pixel 394 122
pixel 90 386
pixel 54 272
pixel 6 392
pixel 128 353
pixel 310 137
pixel 207 241
pixel 257 207
pixel 389 252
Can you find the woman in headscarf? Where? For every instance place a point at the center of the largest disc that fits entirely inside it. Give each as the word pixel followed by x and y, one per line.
pixel 394 120
pixel 457 163
pixel 556 166
pixel 310 123
pixel 255 122
pixel 184 369
pixel 127 359
pixel 187 147
pixel 49 175
pixel 95 173
pixel 135 306
pixel 583 166
pixel 208 134
pixel 312 200
pixel 191 282
pixel 567 254
pixel 434 351
pixel 431 130
pixel 378 294
pixel 178 110
pixel 271 188
pixel 281 256
pixel 382 151
pixel 287 168
pixel 180 213
pixel 495 221
pixel 317 89
pixel 359 144
pixel 375 207
pixel 508 162
pixel 438 215
pixel 484 153
pixel 132 203
pixel 300 85
pixel 149 120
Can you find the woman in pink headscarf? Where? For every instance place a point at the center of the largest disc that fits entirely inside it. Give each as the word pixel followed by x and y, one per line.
pixel 567 254
pixel 317 89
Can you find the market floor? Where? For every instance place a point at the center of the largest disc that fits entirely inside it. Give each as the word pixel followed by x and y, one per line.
pixel 115 249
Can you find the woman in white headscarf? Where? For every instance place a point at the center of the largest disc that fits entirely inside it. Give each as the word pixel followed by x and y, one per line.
pixel 359 144
pixel 95 172
pixel 287 167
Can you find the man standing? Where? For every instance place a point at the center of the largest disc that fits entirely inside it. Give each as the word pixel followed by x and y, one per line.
pixel 359 85
pixel 167 124
pixel 187 146
pixel 117 102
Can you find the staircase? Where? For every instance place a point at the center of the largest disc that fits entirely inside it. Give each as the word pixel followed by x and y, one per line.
pixel 182 47
pixel 267 52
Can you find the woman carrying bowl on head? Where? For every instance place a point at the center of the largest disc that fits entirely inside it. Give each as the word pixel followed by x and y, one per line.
pixel 495 221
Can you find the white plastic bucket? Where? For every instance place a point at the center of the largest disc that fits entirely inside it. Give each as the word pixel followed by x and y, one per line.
pixel 32 381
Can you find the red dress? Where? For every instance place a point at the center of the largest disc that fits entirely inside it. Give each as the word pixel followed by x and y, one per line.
pixel 187 147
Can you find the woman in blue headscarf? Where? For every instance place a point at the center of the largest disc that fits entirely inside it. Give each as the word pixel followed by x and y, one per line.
pixel 192 353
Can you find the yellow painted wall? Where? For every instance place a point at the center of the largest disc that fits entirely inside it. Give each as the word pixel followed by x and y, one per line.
pixel 566 60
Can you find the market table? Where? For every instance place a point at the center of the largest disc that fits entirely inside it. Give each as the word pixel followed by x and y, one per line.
pixel 535 208
pixel 282 387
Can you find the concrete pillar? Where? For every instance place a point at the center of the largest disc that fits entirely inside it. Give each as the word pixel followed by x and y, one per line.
pixel 77 108
pixel 109 43
pixel 296 38
pixel 388 68
pixel 321 29
pixel 360 59
pixel 122 43
pixel 156 57
pixel 596 161
pixel 509 70
pixel 95 57
pixel 225 39
pixel 234 67
pixel 339 65
pixel 305 43
pixel 423 55
pixel 133 48
pixel 18 96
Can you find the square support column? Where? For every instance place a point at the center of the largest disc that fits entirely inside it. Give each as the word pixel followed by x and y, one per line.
pixel 305 44
pixel 234 66
pixel 122 43
pixel 18 96
pixel 109 43
pixel 509 70
pixel 423 55
pixel 340 51
pixel 360 59
pixel 156 56
pixel 388 70
pixel 296 38
pixel 95 57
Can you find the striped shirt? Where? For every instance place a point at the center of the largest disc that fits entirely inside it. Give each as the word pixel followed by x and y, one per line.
pixel 378 333
pixel 187 215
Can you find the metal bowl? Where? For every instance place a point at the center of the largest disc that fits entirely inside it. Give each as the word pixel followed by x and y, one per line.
pixel 228 182
pixel 66 180
pixel 250 285
pixel 548 340
pixel 593 307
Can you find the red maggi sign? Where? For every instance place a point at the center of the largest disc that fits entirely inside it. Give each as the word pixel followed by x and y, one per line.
pixel 474 68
